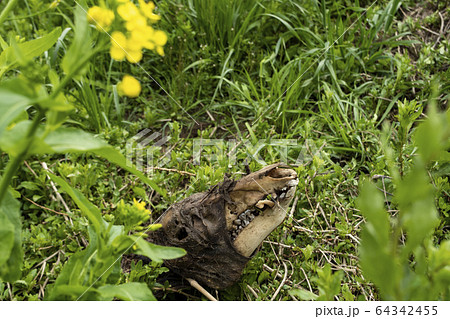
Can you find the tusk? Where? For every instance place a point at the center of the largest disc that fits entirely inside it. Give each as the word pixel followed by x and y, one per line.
pixel 263 202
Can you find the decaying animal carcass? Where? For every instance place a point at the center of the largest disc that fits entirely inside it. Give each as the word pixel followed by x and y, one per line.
pixel 222 228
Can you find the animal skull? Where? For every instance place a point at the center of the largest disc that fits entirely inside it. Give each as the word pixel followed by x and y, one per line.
pixel 222 228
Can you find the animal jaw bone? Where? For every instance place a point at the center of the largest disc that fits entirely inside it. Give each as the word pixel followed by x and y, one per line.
pixel 265 195
pixel 217 229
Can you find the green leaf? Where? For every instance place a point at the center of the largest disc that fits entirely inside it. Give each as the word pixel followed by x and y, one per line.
pixel 418 214
pixel 28 50
pixel 132 291
pixel 433 136
pixel 329 284
pixel 376 258
pixel 155 252
pixel 67 140
pixel 13 101
pixel 7 238
pixel 10 225
pixel 81 44
pixel 303 294
pixel 90 210
pixel 73 292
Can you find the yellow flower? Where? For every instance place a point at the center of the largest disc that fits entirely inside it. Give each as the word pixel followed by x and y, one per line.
pixel 103 18
pixel 54 4
pixel 139 205
pixel 134 56
pixel 160 38
pixel 138 22
pixel 147 10
pixel 128 11
pixel 118 46
pixel 130 87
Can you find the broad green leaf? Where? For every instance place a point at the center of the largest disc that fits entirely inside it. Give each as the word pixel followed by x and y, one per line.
pixel 29 49
pixel 155 252
pixel 67 140
pixel 132 291
pixel 376 259
pixel 329 284
pixel 73 292
pixel 14 100
pixel 7 238
pixel 417 211
pixel 11 263
pixel 433 136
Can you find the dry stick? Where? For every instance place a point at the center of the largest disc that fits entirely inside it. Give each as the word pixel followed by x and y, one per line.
pixel 441 30
pixel 282 282
pixel 171 170
pixel 324 216
pixel 197 286
pixel 353 270
pixel 306 277
pixel 294 204
pixel 9 290
pixel 58 195
pixel 252 291
pixel 45 208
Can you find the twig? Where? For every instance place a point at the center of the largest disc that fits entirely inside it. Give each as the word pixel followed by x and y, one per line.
pixel 252 291
pixel 281 284
pixel 304 229
pixel 354 238
pixel 431 31
pixel 9 290
pixel 58 195
pixel 197 286
pixel 173 170
pixel 294 204
pixel 306 277
pixel 45 208
pixel 31 170
pixel 441 31
pixel 324 216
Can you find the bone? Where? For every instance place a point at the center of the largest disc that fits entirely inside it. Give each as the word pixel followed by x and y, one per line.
pixel 258 228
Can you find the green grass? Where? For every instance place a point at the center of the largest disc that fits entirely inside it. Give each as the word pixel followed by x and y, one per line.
pixel 326 73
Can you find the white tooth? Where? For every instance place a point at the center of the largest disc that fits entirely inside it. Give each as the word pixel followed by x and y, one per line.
pixel 263 202
pixel 284 189
pixel 282 195
pixel 237 222
pixel 293 182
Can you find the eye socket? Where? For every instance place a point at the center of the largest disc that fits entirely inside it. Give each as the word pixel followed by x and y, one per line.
pixel 181 233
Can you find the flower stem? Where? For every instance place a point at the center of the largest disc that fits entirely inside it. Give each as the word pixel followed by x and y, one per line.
pixel 14 163
pixel 9 6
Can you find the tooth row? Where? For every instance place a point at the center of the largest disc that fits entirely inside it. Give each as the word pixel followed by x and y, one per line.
pixel 242 221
